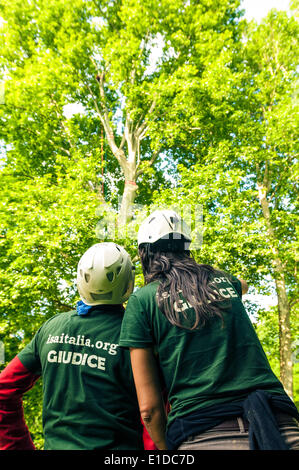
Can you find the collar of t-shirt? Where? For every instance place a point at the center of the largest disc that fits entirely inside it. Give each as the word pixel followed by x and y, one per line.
pixel 83 309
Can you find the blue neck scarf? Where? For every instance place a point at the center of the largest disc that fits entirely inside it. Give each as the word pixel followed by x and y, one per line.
pixel 82 308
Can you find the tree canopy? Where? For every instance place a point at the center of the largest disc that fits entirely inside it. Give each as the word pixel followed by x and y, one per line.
pixel 111 108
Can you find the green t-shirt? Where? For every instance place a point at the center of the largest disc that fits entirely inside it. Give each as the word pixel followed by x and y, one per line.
pixel 89 398
pixel 217 363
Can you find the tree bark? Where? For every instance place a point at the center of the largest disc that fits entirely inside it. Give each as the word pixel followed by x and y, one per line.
pixel 129 168
pixel 132 136
pixel 285 341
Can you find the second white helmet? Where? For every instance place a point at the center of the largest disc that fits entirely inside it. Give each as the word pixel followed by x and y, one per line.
pixel 164 225
pixel 105 275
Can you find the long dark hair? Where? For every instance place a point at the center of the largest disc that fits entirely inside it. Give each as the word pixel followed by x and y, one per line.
pixel 181 279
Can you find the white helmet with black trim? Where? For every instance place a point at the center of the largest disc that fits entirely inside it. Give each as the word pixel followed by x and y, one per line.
pixel 105 275
pixel 165 227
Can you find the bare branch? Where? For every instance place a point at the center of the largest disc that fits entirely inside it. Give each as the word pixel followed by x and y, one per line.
pixel 132 75
pixel 138 154
pixel 294 302
pixel 266 181
pixel 123 141
pixel 95 102
pixel 103 115
pixel 141 129
pixel 156 153
pixel 150 162
pixel 143 134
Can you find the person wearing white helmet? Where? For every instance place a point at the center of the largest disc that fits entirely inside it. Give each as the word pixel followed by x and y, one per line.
pixel 189 318
pixel 105 275
pixel 89 398
pixel 167 228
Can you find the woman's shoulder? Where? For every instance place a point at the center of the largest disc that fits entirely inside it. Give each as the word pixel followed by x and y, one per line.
pixel 148 290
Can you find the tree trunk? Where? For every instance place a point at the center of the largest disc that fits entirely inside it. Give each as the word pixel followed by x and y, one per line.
pixel 127 201
pixel 285 342
pixel 132 136
pixel 129 167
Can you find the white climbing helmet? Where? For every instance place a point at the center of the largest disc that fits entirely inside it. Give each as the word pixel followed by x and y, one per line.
pixel 105 275
pixel 164 225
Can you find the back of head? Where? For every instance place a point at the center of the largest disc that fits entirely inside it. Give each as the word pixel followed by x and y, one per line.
pixel 105 275
pixel 163 241
pixel 165 230
pixel 162 232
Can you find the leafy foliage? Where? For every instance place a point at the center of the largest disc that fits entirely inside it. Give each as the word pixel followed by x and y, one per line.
pixel 215 101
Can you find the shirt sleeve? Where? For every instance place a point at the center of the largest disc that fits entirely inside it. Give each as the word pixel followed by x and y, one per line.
pixel 236 284
pixel 29 356
pixel 15 380
pixel 136 330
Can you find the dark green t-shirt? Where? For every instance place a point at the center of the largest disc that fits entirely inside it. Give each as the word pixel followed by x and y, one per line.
pixel 89 399
pixel 217 363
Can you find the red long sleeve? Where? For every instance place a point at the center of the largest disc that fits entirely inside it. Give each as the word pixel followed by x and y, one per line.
pixel 15 380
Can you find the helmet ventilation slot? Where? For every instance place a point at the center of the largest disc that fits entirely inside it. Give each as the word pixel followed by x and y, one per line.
pixel 110 276
pixel 106 296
